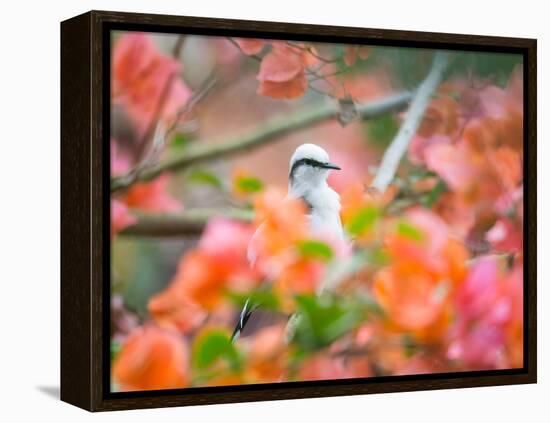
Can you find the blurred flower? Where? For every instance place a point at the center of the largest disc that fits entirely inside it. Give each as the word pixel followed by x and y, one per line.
pixel 152 196
pixel 250 46
pixel 472 138
pixel 218 265
pixel 420 363
pixel 486 305
pixel 267 355
pixel 351 53
pixel 173 309
pixel 426 264
pixel 281 222
pixel 140 74
pixel 152 358
pixel 277 248
pixel 506 235
pixel 120 163
pixel 120 217
pixel 282 71
pixel 441 117
pixel 322 366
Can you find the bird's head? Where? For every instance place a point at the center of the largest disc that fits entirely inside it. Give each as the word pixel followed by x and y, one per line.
pixel 310 164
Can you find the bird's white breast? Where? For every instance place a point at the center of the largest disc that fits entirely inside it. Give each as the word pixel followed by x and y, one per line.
pixel 324 213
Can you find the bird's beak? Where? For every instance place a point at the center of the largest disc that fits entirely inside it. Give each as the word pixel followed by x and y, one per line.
pixel 331 166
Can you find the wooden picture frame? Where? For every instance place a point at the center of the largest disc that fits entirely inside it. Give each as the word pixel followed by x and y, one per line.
pixel 85 188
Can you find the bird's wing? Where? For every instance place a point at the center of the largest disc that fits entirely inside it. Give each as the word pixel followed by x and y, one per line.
pixel 246 312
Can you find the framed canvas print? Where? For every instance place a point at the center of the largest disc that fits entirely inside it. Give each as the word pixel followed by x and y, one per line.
pixel 257 211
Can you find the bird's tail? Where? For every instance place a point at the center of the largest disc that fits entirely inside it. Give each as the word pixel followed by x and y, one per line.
pixel 246 312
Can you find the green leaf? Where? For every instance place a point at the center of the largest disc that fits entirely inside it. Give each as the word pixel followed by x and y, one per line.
pixel 249 184
pixel 315 249
pixel 409 231
pixel 323 319
pixel 378 257
pixel 181 140
pixel 430 198
pixel 410 347
pixel 115 349
pixel 204 177
pixel 363 220
pixel 213 345
pixel 262 297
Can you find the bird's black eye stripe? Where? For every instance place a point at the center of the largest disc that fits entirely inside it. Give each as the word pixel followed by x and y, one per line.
pixel 308 162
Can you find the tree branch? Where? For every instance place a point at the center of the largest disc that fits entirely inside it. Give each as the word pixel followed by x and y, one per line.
pixel 399 145
pixel 265 133
pixel 189 222
pixel 419 103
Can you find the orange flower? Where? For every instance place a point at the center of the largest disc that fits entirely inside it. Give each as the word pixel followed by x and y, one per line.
pixel 426 264
pixel 324 367
pixel 218 265
pixel 201 279
pixel 268 355
pixel 152 358
pixel 299 276
pixel 281 221
pixel 361 209
pixel 172 309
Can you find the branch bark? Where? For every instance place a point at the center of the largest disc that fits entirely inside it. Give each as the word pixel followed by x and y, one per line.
pixel 265 133
pixel 189 222
pixel 419 103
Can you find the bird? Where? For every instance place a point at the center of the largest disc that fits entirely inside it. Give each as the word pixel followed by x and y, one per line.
pixel 309 168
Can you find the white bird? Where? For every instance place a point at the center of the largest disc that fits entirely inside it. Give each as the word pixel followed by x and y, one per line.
pixel 307 180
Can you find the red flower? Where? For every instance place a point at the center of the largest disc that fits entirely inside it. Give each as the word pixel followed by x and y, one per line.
pixel 152 196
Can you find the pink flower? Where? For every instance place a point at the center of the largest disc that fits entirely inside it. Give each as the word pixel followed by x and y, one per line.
pixel 140 74
pixel 120 163
pixel 485 306
pixel 120 217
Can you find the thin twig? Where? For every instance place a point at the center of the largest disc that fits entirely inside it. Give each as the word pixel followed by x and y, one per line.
pixel 419 103
pixel 198 95
pixel 268 132
pixel 159 107
pixel 311 50
pixel 178 46
pixel 252 56
pixel 150 129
